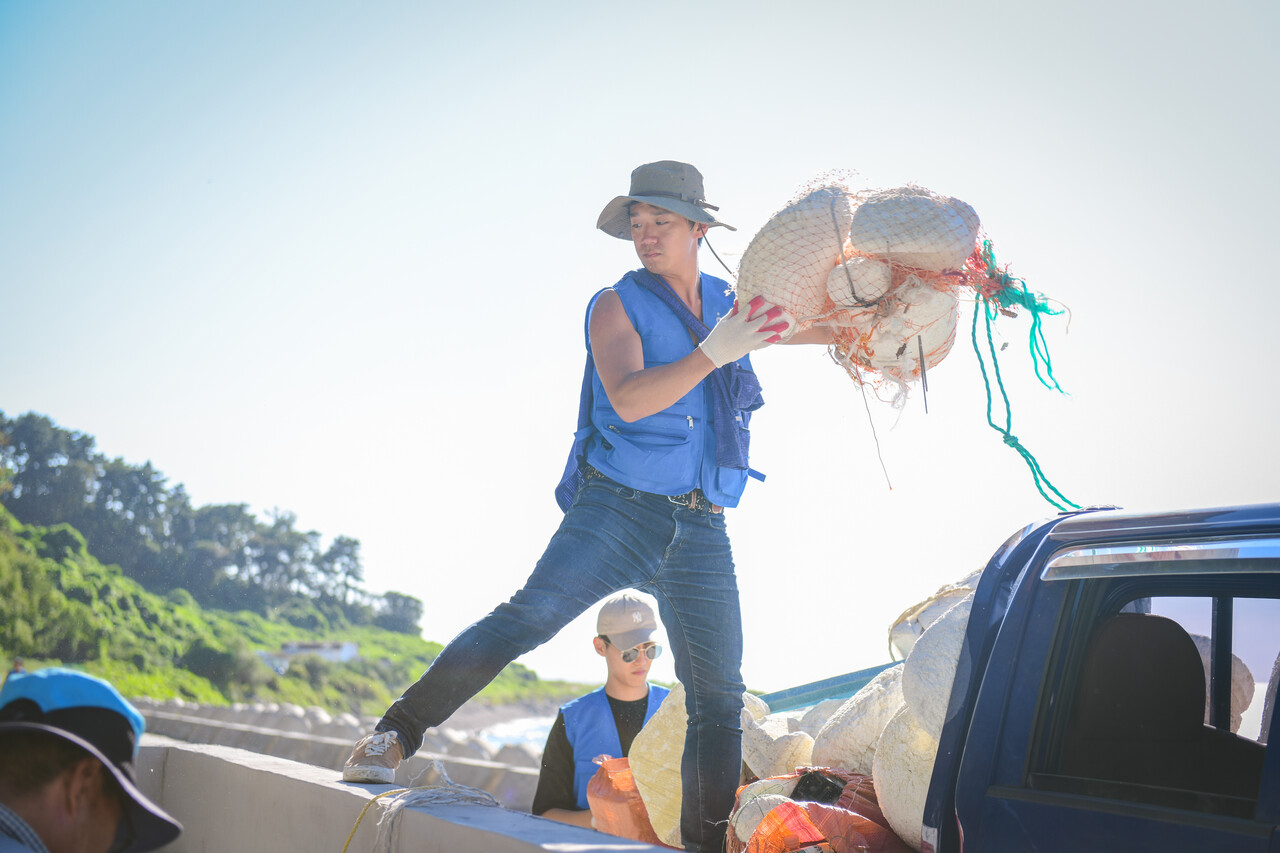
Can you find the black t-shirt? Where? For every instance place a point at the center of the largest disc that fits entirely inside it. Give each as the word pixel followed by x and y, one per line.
pixel 555 780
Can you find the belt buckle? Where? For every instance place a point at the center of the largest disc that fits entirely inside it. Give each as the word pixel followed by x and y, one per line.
pixel 694 500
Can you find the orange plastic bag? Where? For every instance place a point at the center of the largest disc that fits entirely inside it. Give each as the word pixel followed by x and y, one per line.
pixel 786 828
pixel 616 806
pixel 854 822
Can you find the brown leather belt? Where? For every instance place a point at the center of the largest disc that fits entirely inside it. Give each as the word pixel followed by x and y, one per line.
pixel 694 500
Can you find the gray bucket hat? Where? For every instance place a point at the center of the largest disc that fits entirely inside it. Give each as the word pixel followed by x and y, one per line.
pixel 667 184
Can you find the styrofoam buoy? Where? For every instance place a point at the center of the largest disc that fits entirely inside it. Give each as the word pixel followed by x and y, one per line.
pixel 848 740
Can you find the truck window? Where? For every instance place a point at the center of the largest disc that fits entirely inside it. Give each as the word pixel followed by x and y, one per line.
pixel 1255 649
pixel 1132 717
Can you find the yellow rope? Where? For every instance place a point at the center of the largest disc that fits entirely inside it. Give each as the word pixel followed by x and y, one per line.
pixel 372 799
pixel 458 793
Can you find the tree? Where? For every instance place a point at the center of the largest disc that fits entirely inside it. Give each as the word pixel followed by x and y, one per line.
pixel 400 613
pixel 54 471
pixel 232 670
pixel 128 522
pixel 221 554
pixel 6 472
pixel 284 558
pixel 214 559
pixel 339 570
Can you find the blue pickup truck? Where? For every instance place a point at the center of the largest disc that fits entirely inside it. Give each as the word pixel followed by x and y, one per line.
pixel 1081 717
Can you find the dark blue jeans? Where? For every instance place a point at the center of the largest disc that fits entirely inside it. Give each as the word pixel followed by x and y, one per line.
pixel 615 538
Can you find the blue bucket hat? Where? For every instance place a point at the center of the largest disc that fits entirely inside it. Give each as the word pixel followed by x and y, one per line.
pixel 91 714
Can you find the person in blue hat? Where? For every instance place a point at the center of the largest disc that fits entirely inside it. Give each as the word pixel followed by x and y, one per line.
pixel 68 743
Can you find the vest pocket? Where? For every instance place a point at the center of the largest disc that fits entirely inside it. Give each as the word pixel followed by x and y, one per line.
pixel 664 429
pixel 656 453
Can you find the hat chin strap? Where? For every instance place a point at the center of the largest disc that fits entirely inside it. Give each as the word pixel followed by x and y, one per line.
pixel 717 257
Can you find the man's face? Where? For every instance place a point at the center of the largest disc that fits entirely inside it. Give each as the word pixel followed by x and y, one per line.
pixel 632 675
pixel 664 241
pixel 90 811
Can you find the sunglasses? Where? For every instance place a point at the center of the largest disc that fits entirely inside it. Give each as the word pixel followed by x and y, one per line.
pixel 651 651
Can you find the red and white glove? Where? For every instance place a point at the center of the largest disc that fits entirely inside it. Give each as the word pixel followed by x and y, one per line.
pixel 739 333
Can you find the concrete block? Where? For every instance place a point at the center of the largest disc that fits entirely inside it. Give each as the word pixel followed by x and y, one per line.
pixel 519 755
pixel 229 799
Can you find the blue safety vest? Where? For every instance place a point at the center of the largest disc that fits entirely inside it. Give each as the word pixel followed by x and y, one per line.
pixel 590 727
pixel 670 452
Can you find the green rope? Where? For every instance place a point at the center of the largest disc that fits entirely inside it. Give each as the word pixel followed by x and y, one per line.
pixel 984 305
pixel 1013 293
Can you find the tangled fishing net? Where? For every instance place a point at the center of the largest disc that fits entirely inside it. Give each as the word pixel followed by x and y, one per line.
pixel 885 270
pixel 441 791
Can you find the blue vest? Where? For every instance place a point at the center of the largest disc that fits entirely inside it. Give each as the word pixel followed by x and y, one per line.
pixel 589 725
pixel 673 451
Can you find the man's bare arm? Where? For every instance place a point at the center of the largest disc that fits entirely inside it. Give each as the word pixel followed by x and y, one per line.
pixel 634 391
pixel 573 816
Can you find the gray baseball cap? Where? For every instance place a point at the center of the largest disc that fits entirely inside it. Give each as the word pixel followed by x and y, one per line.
pixel 627 620
pixel 667 184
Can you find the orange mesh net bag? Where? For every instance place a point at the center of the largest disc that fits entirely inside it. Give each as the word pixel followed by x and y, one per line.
pixel 881 268
pixel 616 806
pixel 886 271
pixel 766 819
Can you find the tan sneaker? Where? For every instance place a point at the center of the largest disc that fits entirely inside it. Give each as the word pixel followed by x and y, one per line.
pixel 374 759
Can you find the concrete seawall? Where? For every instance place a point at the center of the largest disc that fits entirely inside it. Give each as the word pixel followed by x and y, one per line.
pixel 229 799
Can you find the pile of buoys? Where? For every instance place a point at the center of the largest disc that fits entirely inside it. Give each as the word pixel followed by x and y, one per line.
pixel 881 268
pixel 885 735
pixel 884 270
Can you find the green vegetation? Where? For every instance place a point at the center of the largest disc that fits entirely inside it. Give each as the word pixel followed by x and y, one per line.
pixel 150 635
pixel 60 606
pixel 221 554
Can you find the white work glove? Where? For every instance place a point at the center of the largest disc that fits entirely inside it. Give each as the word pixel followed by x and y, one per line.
pixel 739 333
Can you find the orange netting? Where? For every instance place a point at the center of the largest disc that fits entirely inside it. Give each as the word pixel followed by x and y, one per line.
pixel 616 806
pixel 883 269
pixel 852 824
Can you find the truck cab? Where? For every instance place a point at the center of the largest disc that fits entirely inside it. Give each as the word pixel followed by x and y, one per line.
pixel 1092 705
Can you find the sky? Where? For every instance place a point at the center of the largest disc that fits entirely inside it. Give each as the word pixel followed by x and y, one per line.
pixel 333 259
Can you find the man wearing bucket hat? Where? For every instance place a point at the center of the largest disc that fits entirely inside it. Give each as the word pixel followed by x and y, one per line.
pixel 605 721
pixel 68 743
pixel 660 451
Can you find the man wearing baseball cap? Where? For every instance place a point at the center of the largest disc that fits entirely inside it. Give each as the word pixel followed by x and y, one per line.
pixel 605 721
pixel 68 743
pixel 661 449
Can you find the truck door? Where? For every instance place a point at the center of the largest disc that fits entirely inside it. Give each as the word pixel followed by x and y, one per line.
pixel 1137 706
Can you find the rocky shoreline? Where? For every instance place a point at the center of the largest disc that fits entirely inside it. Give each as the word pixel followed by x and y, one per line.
pixel 478 716
pixel 471 719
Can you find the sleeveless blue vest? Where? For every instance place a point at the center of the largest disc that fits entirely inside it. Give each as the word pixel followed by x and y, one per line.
pixel 589 725
pixel 673 451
